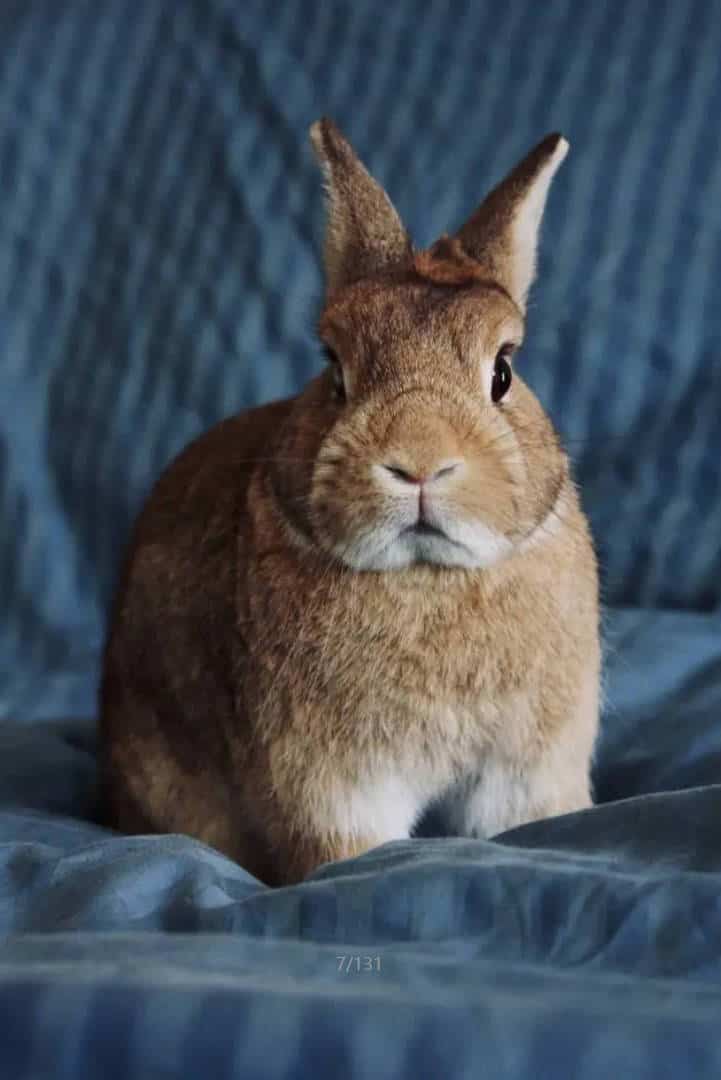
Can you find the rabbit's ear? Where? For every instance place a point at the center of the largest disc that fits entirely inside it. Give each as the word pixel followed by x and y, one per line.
pixel 502 235
pixel 363 230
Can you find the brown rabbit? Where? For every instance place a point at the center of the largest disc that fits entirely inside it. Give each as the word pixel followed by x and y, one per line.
pixel 380 594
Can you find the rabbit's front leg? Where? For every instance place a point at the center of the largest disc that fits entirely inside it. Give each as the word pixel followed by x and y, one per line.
pixel 504 794
pixel 345 820
pixel 513 785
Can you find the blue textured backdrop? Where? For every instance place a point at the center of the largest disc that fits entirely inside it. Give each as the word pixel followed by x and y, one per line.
pixel 159 219
pixel 160 214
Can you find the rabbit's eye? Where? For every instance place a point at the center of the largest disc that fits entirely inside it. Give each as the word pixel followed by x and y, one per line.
pixel 336 372
pixel 502 374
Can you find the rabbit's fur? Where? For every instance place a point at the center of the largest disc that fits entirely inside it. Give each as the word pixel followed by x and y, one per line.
pixel 295 667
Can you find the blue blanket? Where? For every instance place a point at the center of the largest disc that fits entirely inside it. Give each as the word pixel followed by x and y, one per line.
pixel 160 215
pixel 564 948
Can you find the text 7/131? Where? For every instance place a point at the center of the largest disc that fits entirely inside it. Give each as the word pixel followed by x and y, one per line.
pixel 358 963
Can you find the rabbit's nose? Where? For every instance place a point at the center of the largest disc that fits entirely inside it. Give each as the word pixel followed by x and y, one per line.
pixel 421 478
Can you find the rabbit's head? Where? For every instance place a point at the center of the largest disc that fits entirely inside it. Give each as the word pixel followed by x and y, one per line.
pixel 430 448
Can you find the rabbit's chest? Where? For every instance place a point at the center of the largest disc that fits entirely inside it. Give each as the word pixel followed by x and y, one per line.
pixel 392 680
pixel 450 656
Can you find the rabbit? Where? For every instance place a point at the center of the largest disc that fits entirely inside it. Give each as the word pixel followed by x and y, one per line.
pixel 381 595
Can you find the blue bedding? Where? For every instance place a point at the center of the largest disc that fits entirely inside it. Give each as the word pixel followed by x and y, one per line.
pixel 564 948
pixel 160 215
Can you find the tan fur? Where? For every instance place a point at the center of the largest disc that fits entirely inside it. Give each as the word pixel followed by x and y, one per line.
pixel 290 679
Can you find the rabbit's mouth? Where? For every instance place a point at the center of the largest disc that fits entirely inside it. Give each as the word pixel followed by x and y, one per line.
pixel 424 528
pixel 394 548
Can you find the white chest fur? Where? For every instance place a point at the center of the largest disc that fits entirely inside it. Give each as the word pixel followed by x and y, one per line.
pixel 500 782
pixel 376 808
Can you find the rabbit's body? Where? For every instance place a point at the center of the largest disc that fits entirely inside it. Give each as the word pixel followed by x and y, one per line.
pixel 301 660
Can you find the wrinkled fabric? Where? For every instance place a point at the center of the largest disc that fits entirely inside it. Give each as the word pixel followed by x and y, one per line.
pixel 566 947
pixel 160 223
